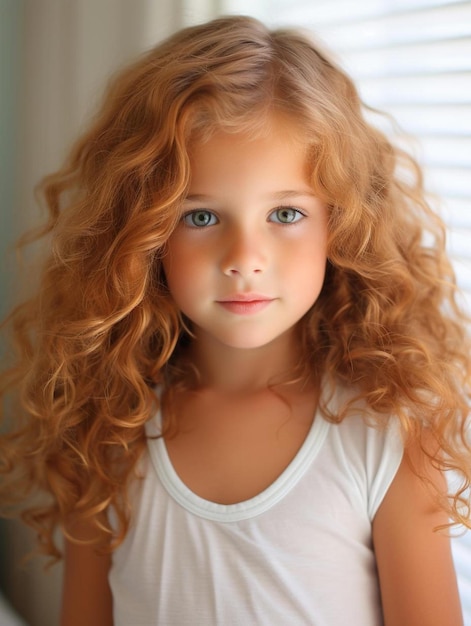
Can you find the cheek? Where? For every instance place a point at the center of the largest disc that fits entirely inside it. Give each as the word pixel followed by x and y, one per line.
pixel 307 260
pixel 174 268
pixel 311 277
pixel 184 270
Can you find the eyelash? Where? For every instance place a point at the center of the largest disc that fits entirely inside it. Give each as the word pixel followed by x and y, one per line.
pixel 297 216
pixel 190 214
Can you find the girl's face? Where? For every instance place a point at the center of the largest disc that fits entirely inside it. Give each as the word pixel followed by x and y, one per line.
pixel 248 258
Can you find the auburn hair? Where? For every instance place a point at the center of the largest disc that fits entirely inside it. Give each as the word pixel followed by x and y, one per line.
pixel 102 329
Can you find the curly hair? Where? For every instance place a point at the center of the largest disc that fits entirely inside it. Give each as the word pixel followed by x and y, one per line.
pixel 102 329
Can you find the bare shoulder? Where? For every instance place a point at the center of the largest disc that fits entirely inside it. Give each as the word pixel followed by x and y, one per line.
pixel 415 565
pixel 86 595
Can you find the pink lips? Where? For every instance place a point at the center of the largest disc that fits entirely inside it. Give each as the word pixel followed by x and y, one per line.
pixel 245 303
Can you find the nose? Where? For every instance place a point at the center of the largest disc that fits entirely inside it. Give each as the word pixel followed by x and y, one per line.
pixel 244 254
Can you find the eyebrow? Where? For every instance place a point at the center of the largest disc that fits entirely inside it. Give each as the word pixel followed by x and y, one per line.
pixel 277 196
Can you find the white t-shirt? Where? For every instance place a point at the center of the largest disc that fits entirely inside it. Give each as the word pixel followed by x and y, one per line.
pixel 299 553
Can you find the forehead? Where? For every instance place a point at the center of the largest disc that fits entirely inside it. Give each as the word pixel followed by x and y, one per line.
pixel 271 161
pixel 260 123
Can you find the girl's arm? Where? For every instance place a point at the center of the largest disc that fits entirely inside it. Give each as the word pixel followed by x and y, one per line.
pixel 86 597
pixel 416 572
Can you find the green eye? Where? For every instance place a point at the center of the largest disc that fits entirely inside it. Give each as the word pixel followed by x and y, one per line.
pixel 199 219
pixel 286 215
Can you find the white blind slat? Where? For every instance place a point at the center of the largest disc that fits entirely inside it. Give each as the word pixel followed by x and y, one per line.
pixel 452 182
pixel 436 89
pixel 452 120
pixel 462 267
pixel 449 151
pixel 442 22
pixel 457 212
pixel 429 58
pixel 459 242
pixel 327 12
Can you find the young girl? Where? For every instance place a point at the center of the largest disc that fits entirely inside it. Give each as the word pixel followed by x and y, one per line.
pixel 244 374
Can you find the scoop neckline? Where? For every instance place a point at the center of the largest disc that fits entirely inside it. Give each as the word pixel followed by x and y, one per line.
pixel 246 509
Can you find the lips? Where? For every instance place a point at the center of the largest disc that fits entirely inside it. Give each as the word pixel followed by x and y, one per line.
pixel 245 303
pixel 245 297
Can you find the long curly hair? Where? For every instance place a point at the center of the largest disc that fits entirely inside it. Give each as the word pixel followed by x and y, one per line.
pixel 102 329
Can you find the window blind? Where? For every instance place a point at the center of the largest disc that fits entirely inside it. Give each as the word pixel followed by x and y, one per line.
pixel 411 58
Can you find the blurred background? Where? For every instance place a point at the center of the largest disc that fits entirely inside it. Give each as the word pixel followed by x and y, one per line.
pixel 411 58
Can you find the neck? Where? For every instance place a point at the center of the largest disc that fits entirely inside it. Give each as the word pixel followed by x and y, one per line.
pixel 245 370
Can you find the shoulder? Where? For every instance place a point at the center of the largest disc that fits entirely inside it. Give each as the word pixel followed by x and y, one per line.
pixel 368 449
